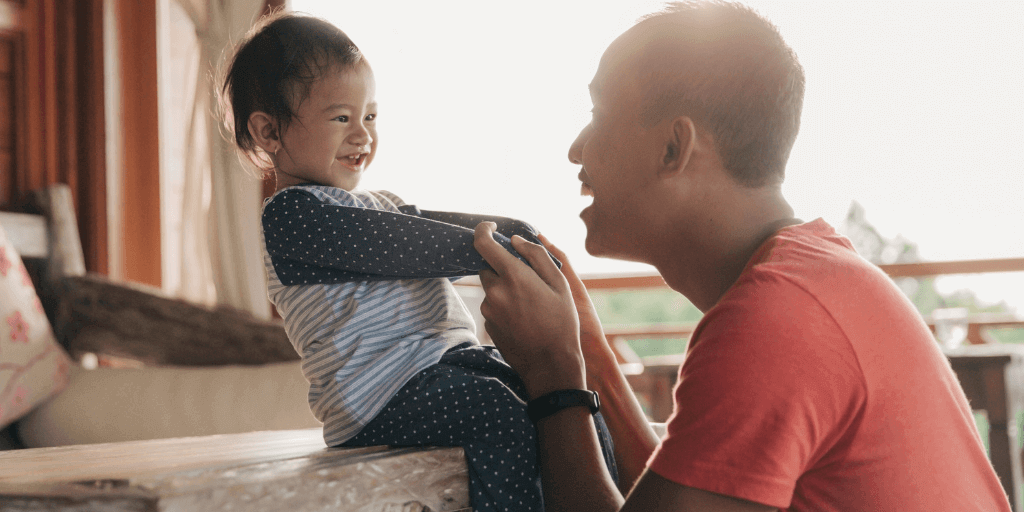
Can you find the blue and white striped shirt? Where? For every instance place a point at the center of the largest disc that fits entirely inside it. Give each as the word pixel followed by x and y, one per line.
pixel 363 290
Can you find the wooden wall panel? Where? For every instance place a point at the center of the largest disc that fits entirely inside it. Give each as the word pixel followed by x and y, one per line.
pixel 54 49
pixel 7 116
pixel 136 26
pixel 87 94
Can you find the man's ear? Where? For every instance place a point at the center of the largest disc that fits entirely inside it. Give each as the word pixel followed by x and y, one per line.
pixel 679 145
pixel 265 132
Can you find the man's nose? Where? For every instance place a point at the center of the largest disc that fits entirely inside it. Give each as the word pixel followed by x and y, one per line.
pixel 576 149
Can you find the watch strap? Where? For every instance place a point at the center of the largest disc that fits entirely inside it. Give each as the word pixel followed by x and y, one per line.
pixel 549 404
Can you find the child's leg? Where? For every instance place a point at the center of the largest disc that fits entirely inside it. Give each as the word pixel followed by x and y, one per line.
pixel 472 400
pixel 603 435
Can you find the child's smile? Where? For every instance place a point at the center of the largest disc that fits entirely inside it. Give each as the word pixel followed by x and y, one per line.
pixel 353 161
pixel 333 137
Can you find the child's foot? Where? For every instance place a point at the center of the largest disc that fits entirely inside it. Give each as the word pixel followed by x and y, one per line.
pixel 409 506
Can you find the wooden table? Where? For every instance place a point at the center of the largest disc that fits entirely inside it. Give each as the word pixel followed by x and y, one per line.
pixel 992 377
pixel 653 385
pixel 289 471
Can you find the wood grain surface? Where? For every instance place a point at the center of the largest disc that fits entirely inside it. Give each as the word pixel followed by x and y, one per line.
pixel 280 471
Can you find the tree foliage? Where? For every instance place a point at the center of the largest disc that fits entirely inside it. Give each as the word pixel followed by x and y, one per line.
pixel 881 250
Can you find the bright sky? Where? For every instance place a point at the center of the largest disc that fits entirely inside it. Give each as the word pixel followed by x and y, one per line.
pixel 912 109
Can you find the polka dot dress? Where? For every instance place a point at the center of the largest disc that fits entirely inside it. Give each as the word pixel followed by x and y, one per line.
pixel 473 399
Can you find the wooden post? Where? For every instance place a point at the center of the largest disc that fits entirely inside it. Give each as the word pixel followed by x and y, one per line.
pixel 140 128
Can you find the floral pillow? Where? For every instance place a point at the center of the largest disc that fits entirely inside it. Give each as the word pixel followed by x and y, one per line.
pixel 33 366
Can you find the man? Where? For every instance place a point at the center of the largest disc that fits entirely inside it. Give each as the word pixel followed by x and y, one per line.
pixel 811 383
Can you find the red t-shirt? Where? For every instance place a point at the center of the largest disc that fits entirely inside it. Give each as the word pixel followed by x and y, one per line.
pixel 815 385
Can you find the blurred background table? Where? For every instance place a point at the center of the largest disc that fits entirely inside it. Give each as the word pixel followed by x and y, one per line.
pixel 992 377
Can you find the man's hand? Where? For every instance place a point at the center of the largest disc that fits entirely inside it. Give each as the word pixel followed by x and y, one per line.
pixel 600 358
pixel 633 437
pixel 530 315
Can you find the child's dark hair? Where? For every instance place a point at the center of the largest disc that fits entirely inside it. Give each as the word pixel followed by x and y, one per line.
pixel 272 70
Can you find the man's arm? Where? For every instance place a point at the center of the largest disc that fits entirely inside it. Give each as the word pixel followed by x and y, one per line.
pixel 545 351
pixel 632 435
pixel 654 493
pixel 531 316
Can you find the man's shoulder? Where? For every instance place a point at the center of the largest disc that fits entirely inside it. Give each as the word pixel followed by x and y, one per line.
pixel 811 284
pixel 810 258
pixel 812 247
pixel 790 289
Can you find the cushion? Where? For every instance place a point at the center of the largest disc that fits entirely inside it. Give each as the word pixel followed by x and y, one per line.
pixel 33 367
pixel 124 404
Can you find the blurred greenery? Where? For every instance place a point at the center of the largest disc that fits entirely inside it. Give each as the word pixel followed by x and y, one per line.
pixel 638 308
pixel 644 307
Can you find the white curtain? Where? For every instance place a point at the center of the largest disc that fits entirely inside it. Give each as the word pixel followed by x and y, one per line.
pixel 221 259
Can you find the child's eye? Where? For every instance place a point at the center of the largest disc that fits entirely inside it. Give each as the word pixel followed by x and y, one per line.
pixel 343 119
pixel 371 117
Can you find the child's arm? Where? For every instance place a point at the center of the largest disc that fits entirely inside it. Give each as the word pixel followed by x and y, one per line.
pixel 310 241
pixel 506 226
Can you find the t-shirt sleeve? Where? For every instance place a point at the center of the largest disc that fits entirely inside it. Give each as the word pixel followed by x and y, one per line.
pixel 769 386
pixel 312 241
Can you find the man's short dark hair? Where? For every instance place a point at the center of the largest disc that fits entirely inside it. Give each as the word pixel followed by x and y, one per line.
pixel 728 68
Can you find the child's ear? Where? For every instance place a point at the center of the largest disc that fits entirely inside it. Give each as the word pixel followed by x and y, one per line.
pixel 265 131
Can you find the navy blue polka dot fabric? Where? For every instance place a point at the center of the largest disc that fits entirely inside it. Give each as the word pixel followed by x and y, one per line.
pixel 473 399
pixel 311 242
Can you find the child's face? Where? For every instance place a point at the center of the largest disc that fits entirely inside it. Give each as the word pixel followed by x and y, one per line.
pixel 333 137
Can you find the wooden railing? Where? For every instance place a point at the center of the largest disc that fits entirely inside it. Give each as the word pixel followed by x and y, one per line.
pixel 652 378
pixel 930 268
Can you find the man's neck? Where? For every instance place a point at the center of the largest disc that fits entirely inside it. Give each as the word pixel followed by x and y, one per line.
pixel 703 265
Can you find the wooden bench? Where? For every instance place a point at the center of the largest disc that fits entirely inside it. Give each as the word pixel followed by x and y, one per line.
pixel 273 470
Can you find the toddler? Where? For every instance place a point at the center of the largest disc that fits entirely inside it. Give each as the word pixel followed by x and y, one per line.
pixel 363 280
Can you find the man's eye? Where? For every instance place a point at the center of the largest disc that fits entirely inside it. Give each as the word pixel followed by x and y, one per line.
pixel 343 119
pixel 371 117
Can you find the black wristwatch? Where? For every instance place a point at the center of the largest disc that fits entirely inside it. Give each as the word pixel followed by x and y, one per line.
pixel 555 401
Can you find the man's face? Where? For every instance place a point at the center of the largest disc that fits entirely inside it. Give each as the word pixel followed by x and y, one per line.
pixel 617 157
